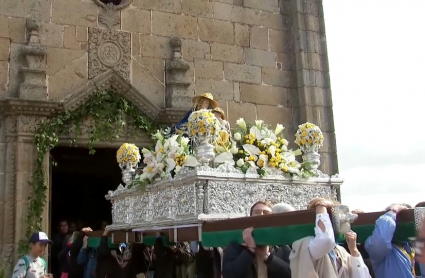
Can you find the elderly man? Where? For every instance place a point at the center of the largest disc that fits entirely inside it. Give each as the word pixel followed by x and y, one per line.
pixel 250 260
pixel 390 259
pixel 282 207
pixel 320 257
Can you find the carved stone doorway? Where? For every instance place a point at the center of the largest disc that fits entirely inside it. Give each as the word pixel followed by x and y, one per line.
pixel 78 184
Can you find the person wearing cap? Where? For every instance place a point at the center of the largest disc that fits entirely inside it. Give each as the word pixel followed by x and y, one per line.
pixel 219 114
pixel 33 265
pixel 205 101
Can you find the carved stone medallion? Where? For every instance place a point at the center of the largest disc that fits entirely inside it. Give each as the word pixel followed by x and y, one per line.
pixel 109 49
pixel 109 53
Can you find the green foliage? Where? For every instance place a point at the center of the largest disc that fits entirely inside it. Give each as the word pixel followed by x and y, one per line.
pixel 109 112
pixel 3 271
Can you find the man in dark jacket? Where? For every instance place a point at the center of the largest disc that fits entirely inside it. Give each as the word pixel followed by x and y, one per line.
pixel 125 263
pixel 171 262
pixel 208 262
pixel 252 261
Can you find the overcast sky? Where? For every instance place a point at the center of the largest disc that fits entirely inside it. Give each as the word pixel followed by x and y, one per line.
pixel 377 62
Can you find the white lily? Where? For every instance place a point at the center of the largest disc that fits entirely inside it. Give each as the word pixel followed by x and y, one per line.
pixel 171 164
pixel 259 123
pixel 251 149
pixel 257 133
pixel 241 123
pixel 224 158
pixel 272 150
pixel 234 148
pixel 191 161
pixel 279 129
pixel 184 141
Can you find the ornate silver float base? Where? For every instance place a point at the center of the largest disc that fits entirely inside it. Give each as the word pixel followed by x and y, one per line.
pixel 207 193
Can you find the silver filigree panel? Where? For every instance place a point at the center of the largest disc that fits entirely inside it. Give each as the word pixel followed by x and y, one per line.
pixel 185 200
pixel 210 195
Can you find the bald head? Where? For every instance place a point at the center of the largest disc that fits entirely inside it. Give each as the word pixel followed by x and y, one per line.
pixel 282 207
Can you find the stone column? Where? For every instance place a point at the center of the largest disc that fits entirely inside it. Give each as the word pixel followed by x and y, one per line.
pixel 313 81
pixel 25 156
pixel 9 213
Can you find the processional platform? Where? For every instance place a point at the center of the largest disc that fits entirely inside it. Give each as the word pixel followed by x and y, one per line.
pixel 209 194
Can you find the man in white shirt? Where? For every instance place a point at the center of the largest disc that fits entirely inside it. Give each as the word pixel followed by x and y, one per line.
pixel 323 244
pixel 33 265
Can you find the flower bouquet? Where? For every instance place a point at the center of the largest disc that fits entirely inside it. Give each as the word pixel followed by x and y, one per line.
pixel 309 138
pixel 266 150
pixel 128 156
pixel 203 126
pixel 166 159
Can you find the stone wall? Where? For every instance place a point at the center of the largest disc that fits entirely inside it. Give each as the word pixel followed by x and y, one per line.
pixel 243 54
pixel 260 59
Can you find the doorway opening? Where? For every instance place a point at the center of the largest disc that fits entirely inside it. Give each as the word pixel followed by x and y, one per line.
pixel 79 183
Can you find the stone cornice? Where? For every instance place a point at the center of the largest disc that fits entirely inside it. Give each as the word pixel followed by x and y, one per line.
pixel 14 107
pixel 171 115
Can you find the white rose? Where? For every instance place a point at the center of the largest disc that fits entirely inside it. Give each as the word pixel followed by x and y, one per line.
pixel 237 136
pixel 240 162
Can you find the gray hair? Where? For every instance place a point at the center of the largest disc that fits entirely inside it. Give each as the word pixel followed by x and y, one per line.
pixel 282 207
pixel 398 204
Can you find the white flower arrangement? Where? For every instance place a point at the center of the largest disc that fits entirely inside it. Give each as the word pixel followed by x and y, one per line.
pixel 128 155
pixel 309 137
pixel 258 147
pixel 169 155
pixel 203 125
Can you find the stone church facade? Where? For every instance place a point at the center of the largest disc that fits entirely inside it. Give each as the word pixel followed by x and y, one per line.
pixel 261 59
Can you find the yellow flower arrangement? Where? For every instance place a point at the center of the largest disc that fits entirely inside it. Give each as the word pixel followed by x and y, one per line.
pixel 309 137
pixel 128 155
pixel 203 124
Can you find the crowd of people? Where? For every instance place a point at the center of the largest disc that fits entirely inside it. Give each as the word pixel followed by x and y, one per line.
pixel 318 256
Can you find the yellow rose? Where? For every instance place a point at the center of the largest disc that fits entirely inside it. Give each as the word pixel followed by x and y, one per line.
pixel 193 132
pixel 201 123
pixel 125 159
pixel 302 141
pixel 202 130
pixel 133 159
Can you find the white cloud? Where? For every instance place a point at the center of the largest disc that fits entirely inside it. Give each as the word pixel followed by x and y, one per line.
pixel 376 57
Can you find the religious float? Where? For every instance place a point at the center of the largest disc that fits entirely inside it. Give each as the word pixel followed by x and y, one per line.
pixel 199 181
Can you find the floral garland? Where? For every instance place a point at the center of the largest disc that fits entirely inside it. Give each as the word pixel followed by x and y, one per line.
pixel 109 112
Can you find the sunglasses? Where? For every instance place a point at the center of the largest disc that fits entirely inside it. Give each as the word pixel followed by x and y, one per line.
pixel 418 244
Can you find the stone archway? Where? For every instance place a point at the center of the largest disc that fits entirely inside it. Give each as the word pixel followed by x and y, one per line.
pixel 19 122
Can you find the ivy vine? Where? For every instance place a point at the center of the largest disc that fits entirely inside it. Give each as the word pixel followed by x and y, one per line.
pixel 110 113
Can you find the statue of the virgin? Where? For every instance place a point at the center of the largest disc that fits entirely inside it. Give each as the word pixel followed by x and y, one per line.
pixel 205 101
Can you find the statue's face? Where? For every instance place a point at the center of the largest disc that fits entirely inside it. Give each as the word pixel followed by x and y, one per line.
pixel 218 115
pixel 203 103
